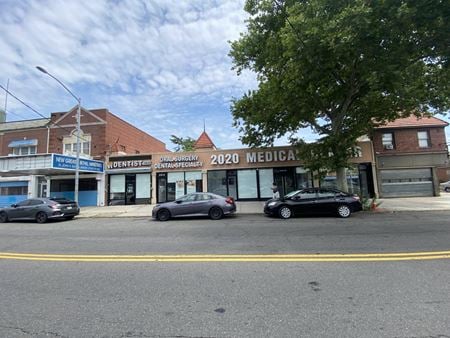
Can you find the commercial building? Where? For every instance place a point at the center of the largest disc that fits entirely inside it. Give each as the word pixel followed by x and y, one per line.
pixel 38 157
pixel 407 157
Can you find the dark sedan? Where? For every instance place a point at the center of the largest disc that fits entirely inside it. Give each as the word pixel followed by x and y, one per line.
pixel 195 204
pixel 313 201
pixel 40 210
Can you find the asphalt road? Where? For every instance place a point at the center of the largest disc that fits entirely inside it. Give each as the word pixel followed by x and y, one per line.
pixel 223 299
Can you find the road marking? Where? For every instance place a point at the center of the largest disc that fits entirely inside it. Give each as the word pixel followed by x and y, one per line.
pixel 363 257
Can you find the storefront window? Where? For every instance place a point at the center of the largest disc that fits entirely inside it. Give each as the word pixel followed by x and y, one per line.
pixel 247 187
pixel 304 179
pixel 143 185
pixel 116 189
pixel 265 183
pixel 193 179
pixel 217 182
pixel 175 185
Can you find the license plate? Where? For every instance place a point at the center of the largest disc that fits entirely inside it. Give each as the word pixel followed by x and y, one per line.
pixel 69 207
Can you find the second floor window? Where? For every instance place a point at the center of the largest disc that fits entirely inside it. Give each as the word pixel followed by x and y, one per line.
pixel 31 150
pixel 70 144
pixel 388 140
pixel 424 139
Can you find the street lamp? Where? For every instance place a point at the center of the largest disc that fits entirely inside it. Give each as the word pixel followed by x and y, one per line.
pixel 77 165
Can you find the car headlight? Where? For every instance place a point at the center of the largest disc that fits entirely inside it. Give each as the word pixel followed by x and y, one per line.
pixel 271 204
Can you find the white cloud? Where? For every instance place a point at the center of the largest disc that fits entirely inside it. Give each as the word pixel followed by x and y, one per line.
pixel 161 65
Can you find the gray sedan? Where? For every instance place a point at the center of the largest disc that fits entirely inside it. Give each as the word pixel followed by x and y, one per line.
pixel 195 204
pixel 40 210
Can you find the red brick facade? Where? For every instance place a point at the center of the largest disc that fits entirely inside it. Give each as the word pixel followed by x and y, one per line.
pixel 8 136
pixel 406 140
pixel 109 134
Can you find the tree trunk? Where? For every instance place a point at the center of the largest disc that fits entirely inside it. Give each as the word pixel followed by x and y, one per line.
pixel 341 179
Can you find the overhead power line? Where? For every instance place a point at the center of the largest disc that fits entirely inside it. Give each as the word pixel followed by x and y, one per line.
pixel 35 111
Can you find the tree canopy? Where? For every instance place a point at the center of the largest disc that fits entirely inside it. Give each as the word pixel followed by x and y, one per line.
pixel 339 67
pixel 182 144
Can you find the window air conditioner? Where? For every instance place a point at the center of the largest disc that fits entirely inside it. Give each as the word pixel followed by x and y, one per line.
pixel 389 146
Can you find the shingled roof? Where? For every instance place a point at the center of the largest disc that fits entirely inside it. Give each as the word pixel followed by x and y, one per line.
pixel 204 142
pixel 413 122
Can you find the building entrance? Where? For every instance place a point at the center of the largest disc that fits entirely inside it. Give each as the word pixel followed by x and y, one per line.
pixel 284 179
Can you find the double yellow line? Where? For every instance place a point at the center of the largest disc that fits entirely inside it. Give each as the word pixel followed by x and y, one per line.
pixel 370 257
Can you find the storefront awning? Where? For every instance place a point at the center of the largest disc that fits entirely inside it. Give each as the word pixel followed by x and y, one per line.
pixel 23 143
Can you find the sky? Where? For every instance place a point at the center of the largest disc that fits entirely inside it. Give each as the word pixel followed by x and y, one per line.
pixel 161 65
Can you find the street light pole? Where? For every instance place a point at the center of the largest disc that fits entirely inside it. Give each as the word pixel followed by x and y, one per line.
pixel 77 165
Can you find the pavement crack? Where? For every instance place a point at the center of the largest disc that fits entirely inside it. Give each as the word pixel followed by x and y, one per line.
pixel 31 333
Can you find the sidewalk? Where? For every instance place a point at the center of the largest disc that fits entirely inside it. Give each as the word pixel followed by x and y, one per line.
pixel 385 205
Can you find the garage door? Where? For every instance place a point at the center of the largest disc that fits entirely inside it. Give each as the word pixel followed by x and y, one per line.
pixel 406 182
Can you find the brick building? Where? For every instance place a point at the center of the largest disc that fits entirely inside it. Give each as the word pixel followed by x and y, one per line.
pixel 411 156
pixel 27 167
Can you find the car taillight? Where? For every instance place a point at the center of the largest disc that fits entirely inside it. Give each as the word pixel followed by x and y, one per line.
pixel 230 200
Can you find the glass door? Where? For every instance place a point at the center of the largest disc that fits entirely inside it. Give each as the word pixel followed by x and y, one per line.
pixel 130 189
pixel 284 179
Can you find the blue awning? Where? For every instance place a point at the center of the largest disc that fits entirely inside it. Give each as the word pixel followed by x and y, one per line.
pixel 23 143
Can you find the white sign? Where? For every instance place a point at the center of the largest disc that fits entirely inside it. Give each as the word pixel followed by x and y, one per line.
pixel 176 162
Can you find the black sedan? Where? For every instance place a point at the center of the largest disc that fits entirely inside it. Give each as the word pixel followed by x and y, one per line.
pixel 313 201
pixel 40 210
pixel 195 204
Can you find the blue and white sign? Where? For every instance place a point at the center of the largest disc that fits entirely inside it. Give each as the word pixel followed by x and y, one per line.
pixel 70 163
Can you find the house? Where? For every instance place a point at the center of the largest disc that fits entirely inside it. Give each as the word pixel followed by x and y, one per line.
pixel 411 156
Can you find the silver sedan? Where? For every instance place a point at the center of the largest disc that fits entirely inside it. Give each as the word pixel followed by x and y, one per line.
pixel 195 204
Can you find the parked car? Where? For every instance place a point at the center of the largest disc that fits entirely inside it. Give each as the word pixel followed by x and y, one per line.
pixel 313 201
pixel 195 204
pixel 445 186
pixel 40 209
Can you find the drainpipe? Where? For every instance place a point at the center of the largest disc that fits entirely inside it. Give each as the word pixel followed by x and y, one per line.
pixel 48 138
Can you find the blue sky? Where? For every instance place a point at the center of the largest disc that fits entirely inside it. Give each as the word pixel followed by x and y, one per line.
pixel 161 65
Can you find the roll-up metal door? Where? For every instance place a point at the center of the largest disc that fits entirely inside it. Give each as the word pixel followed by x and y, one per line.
pixel 406 182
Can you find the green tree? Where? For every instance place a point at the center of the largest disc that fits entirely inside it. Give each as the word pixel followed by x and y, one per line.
pixel 340 67
pixel 182 144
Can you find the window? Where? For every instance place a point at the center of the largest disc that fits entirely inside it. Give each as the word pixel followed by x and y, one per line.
pixel 217 182
pixel 70 143
pixel 265 183
pixel 30 150
pixel 307 194
pixel 143 185
pixel 35 202
pixel 247 187
pixel 424 139
pixel 388 141
pixel 325 194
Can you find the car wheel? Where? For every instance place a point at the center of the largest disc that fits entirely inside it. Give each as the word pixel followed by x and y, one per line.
pixel 163 215
pixel 215 213
pixel 285 212
pixel 41 217
pixel 447 189
pixel 3 217
pixel 343 211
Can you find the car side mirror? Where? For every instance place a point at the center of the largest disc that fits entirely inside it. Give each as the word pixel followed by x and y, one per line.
pixel 14 205
pixel 178 202
pixel 296 198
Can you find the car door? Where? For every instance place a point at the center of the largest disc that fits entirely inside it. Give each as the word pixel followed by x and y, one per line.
pixel 326 201
pixel 183 205
pixel 20 211
pixel 202 204
pixel 34 206
pixel 304 202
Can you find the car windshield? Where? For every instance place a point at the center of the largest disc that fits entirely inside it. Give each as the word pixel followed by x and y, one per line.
pixel 292 193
